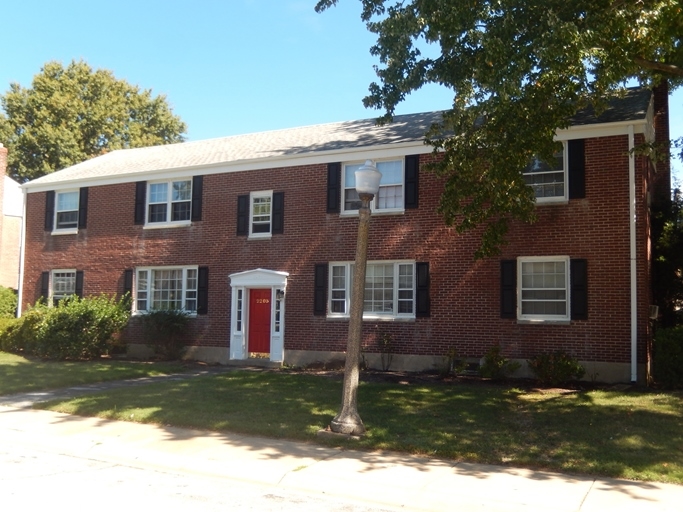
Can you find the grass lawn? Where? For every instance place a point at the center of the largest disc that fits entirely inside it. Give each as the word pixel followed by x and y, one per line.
pixel 19 374
pixel 632 434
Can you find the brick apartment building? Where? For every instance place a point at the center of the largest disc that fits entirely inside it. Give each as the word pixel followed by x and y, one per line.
pixel 255 236
pixel 11 217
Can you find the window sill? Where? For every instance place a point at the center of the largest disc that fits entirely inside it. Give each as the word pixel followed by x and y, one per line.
pixel 144 313
pixel 264 236
pixel 550 201
pixel 543 322
pixel 374 318
pixel 163 225
pixel 375 213
pixel 65 231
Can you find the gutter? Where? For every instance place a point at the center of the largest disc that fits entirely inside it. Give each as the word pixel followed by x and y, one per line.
pixel 22 245
pixel 634 268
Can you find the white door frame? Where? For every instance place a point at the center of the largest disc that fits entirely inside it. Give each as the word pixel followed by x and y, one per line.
pixel 240 284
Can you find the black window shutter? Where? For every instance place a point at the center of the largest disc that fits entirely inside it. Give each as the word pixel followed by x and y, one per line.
pixel 576 169
pixel 83 208
pixel 320 289
pixel 578 274
pixel 44 287
pixel 243 215
pixel 412 172
pixel 508 289
pixel 79 283
pixel 333 187
pixel 128 285
pixel 203 291
pixel 49 210
pixel 197 192
pixel 128 281
pixel 140 199
pixel 422 309
pixel 278 213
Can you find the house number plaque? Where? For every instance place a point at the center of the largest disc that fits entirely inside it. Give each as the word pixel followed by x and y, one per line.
pixel 262 301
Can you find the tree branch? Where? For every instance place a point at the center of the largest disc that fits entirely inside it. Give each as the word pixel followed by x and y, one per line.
pixel 670 69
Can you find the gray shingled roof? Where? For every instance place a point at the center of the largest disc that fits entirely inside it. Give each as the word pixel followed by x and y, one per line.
pixel 303 141
pixel 246 148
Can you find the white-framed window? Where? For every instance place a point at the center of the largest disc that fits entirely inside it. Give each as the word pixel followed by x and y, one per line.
pixel 169 202
pixel 543 288
pixel 66 210
pixel 389 289
pixel 391 187
pixel 239 310
pixel 62 285
pixel 260 213
pixel 548 181
pixel 166 288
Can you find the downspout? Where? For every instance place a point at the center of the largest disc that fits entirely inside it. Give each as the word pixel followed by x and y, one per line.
pixel 22 252
pixel 634 267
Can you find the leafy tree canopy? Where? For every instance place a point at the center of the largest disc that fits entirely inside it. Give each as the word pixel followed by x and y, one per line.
pixel 519 70
pixel 72 114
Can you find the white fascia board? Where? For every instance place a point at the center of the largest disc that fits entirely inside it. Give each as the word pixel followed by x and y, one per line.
pixel 322 157
pixel 590 131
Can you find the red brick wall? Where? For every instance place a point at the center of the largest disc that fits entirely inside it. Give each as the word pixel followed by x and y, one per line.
pixel 465 311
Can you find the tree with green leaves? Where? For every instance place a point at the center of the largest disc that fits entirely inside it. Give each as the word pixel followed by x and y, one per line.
pixel 72 113
pixel 519 71
pixel 667 266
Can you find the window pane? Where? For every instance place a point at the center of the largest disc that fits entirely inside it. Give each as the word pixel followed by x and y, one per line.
pixel 544 288
pixel 158 193
pixel 67 201
pixel 547 180
pixel 392 172
pixel 157 213
pixel 351 200
pixel 182 191
pixel 167 289
pixel 180 211
pixel 67 220
pixel 390 197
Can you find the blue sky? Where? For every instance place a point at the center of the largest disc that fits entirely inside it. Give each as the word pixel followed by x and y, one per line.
pixel 226 67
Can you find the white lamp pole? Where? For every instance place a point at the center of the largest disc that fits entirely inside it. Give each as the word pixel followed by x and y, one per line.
pixel 347 421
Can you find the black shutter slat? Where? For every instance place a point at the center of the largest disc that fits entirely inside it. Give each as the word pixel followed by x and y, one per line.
pixel 197 193
pixel 578 274
pixel 140 199
pixel 243 215
pixel 44 287
pixel 576 169
pixel 320 289
pixel 49 210
pixel 412 172
pixel 203 291
pixel 79 284
pixel 278 213
pixel 508 289
pixel 333 187
pixel 83 208
pixel 423 306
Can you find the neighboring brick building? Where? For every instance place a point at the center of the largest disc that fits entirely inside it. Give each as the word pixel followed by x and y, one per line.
pixel 255 235
pixel 12 210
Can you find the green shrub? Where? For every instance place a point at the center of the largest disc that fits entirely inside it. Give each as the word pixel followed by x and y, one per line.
pixel 554 368
pixel 667 364
pixel 495 366
pixel 165 331
pixel 8 303
pixel 74 329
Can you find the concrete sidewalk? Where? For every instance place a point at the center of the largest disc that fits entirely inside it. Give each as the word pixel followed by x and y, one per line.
pixel 384 479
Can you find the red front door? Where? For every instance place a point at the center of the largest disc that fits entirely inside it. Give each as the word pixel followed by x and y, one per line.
pixel 259 321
